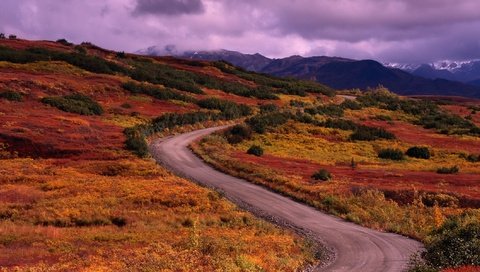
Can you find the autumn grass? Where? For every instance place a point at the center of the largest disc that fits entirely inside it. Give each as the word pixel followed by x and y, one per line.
pixel 367 206
pixel 331 147
pixel 129 214
pixel 51 67
pixel 100 208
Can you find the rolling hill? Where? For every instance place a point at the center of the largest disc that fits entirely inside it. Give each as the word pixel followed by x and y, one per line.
pixel 341 73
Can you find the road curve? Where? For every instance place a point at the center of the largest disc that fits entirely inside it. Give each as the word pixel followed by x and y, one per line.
pixel 356 248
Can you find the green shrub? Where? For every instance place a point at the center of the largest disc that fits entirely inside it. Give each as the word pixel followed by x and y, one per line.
pixel 255 150
pixel 474 131
pixel 229 109
pixel 448 170
pixel 82 60
pixel 322 174
pixel 121 55
pixel 454 245
pixel 448 123
pixel 260 123
pixel 80 49
pixel 126 106
pixel 11 96
pixel 136 141
pixel 75 103
pixel 351 104
pixel 64 42
pixel 381 117
pixel 165 75
pixel 266 108
pixel 364 133
pixel 330 110
pixel 391 154
pixel 118 221
pixel 305 118
pixel 297 103
pixel 156 92
pixel 439 199
pixel 418 152
pixel 340 124
pixel 473 158
pixel 238 133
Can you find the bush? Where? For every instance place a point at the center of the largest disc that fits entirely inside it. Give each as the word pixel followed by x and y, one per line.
pixel 136 141
pixel 364 133
pixel 266 108
pixel 419 152
pixel 448 170
pixel 322 174
pixel 255 150
pixel 351 104
pixel 297 103
pixel 121 55
pixel 260 123
pixel 64 42
pixel 391 154
pixel 340 124
pixel 80 49
pixel 165 75
pixel 473 158
pixel 11 96
pixel 330 110
pixel 454 245
pixel 439 199
pixel 82 60
pixel 126 105
pixel 156 92
pixel 229 109
pixel 75 103
pixel 448 123
pixel 238 133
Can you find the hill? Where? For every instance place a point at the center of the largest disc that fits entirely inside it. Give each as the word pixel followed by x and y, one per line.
pixel 343 73
pixel 81 192
pixel 76 192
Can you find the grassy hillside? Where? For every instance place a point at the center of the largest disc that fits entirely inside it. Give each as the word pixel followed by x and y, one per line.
pixel 383 161
pixel 78 189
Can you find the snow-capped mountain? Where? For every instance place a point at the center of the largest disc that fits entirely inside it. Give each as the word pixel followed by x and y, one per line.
pixel 402 66
pixel 453 66
pixel 464 71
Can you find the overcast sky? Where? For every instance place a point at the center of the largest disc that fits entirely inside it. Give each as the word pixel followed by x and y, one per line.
pixel 406 31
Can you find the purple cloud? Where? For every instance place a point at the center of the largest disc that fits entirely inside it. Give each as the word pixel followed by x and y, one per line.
pixel 169 7
pixel 389 30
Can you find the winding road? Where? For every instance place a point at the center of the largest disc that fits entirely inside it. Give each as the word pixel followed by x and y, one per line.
pixel 355 248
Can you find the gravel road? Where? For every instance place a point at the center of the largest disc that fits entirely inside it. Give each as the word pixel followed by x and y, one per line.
pixel 354 248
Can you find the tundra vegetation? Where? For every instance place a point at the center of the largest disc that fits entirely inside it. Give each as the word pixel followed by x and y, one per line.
pixel 80 191
pixel 75 197
pixel 386 162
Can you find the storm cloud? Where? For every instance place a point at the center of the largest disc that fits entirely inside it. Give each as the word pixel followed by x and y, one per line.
pixel 169 7
pixel 388 30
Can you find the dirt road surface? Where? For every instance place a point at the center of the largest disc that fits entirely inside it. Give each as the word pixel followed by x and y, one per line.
pixel 354 248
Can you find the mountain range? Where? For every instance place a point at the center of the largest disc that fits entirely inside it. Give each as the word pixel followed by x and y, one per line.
pixel 463 71
pixel 342 73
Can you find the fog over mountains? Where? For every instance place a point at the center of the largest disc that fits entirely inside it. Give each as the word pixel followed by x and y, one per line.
pixel 442 78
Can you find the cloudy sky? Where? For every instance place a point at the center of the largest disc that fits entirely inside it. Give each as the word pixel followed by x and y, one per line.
pixel 405 31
